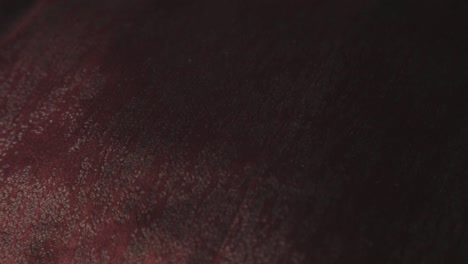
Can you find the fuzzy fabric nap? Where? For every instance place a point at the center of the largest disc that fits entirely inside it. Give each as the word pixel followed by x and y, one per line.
pixel 233 131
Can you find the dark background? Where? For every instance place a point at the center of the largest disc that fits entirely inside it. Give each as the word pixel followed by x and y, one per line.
pixel 233 131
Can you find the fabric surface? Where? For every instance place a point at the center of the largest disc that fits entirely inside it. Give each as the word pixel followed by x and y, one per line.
pixel 173 131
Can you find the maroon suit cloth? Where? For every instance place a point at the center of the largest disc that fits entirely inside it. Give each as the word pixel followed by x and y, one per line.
pixel 176 131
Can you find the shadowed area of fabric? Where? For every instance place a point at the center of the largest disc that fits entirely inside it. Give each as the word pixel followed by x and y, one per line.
pixel 233 132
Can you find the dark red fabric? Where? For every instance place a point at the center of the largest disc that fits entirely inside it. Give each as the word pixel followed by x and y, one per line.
pixel 233 131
